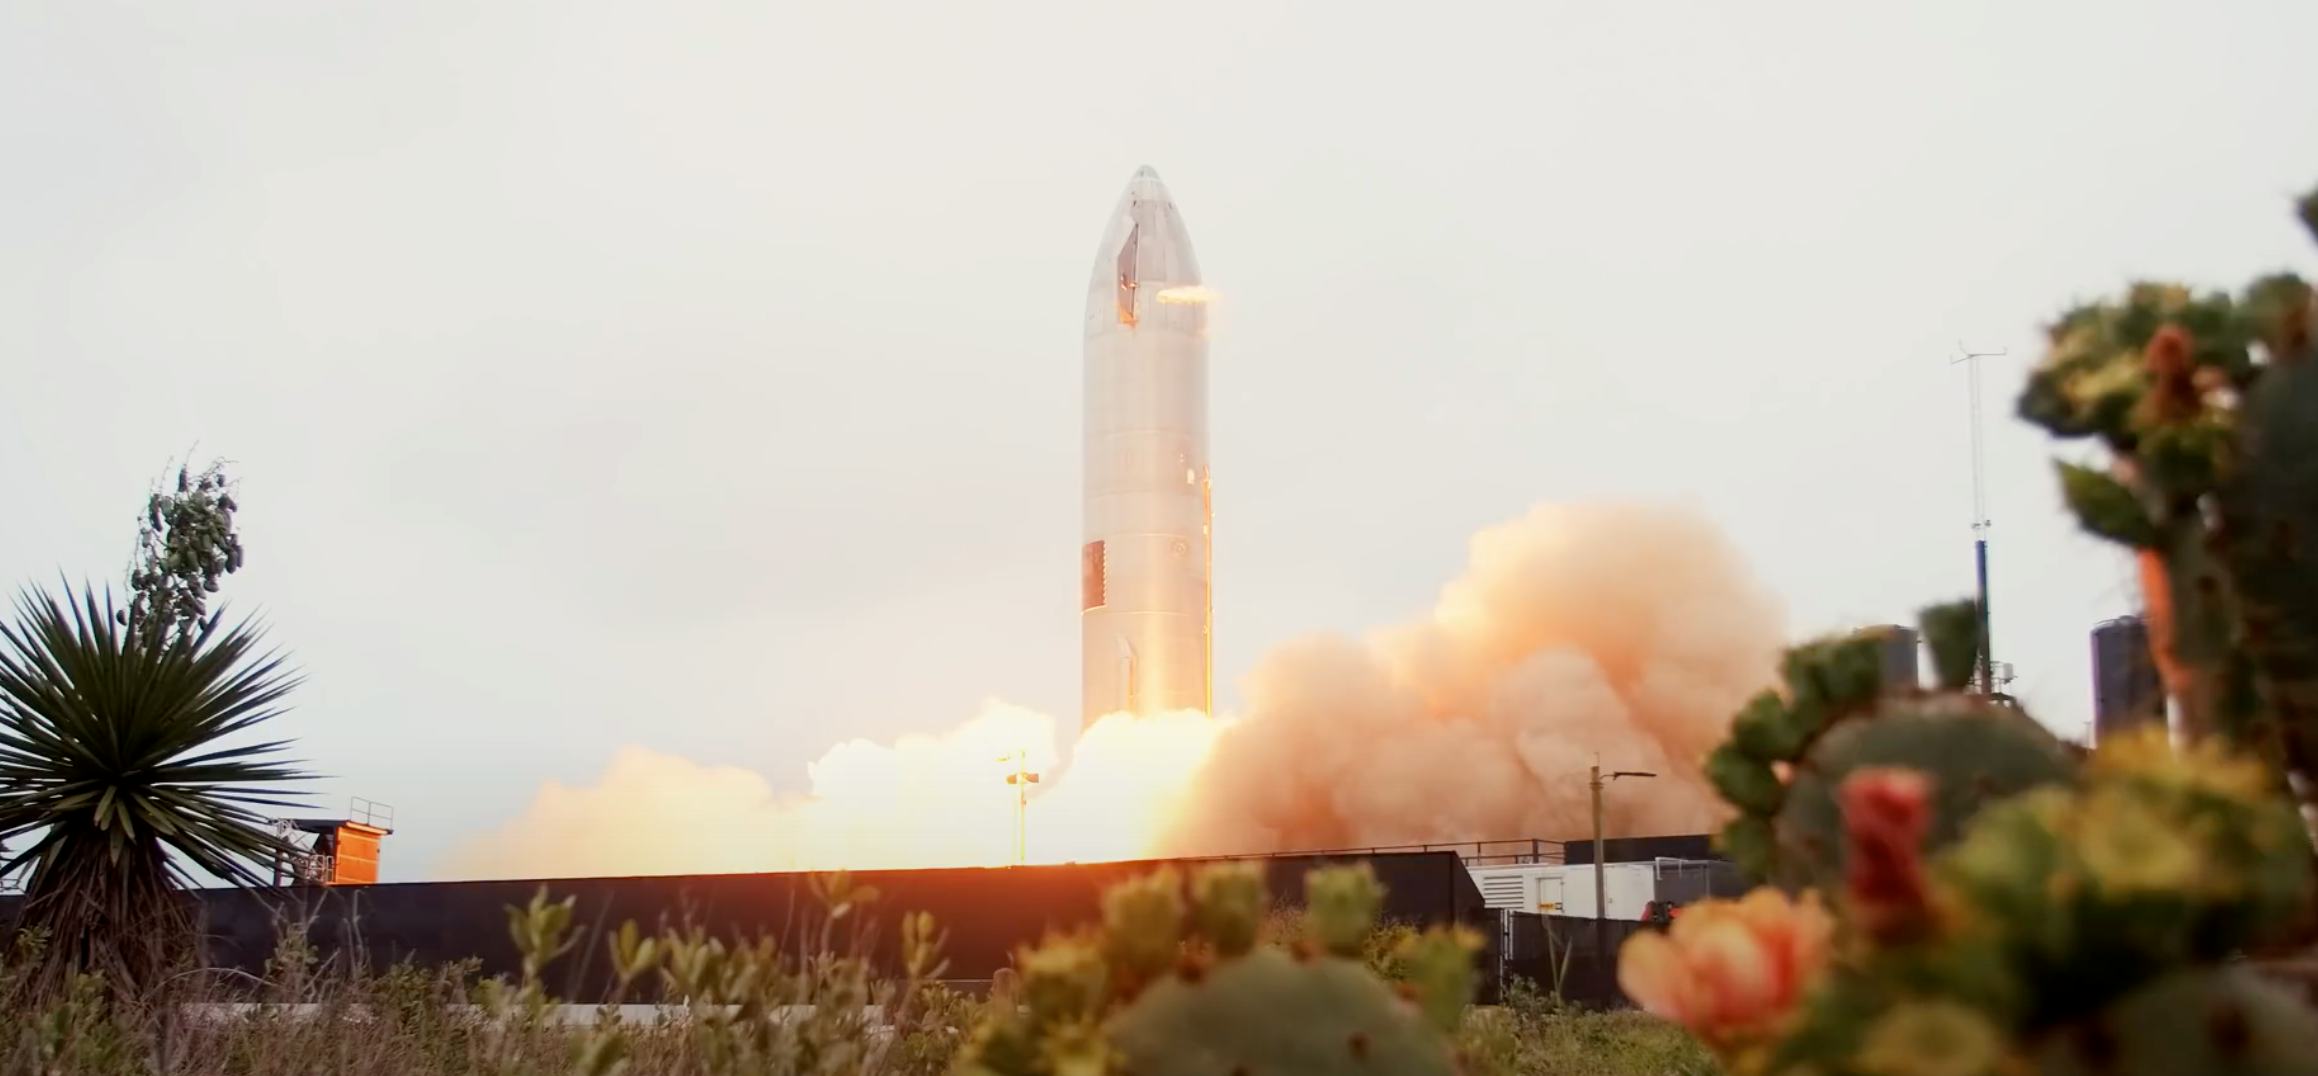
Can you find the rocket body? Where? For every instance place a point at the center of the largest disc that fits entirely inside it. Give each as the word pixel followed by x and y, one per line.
pixel 1145 571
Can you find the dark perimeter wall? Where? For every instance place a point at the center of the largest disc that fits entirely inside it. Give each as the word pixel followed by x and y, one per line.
pixel 1577 956
pixel 1642 849
pixel 987 912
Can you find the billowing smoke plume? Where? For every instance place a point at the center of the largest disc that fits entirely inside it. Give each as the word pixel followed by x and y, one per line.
pixel 1624 632
pixel 1627 632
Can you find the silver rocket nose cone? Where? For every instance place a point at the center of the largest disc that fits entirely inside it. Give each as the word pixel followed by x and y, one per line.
pixel 1145 250
pixel 1146 186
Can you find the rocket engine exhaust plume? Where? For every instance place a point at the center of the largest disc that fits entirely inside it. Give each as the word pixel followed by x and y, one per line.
pixel 1187 295
pixel 1627 631
pixel 921 801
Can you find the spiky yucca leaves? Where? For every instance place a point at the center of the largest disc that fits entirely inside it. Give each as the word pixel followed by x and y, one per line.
pixel 117 774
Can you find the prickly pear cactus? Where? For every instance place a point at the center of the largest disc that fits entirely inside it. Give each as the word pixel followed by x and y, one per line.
pixel 2270 515
pixel 2208 405
pixel 1789 753
pixel 2003 905
pixel 1269 1011
pixel 1166 988
pixel 2163 858
pixel 2089 927
pixel 1340 908
pixel 1974 752
pixel 2219 1022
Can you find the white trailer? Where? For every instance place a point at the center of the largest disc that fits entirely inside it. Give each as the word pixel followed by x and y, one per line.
pixel 1568 888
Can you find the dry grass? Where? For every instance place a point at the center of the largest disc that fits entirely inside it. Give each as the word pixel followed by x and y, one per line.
pixel 1533 1035
pixel 443 1021
pixel 810 1006
pixel 804 1004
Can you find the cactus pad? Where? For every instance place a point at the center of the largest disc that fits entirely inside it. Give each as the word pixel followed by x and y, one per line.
pixel 2221 1022
pixel 1268 1012
pixel 1341 907
pixel 1836 716
pixel 1227 906
pixel 1143 923
pixel 1130 997
pixel 1974 753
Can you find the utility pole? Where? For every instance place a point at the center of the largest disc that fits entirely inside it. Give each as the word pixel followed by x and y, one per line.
pixel 1021 779
pixel 1595 779
pixel 1985 661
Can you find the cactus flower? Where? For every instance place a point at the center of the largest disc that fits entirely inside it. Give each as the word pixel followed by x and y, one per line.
pixel 1729 970
pixel 1886 811
pixel 2173 394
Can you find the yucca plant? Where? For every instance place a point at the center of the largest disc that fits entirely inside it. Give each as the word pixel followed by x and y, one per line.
pixel 117 783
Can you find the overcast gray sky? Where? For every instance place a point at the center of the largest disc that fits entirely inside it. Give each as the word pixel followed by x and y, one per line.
pixel 705 376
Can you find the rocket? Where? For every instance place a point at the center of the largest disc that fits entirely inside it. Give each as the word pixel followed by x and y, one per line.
pixel 1146 593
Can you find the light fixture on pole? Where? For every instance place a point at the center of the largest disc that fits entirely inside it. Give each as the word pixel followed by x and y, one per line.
pixel 1021 779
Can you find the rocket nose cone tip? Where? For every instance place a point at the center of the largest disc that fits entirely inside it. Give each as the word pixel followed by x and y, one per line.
pixel 1146 182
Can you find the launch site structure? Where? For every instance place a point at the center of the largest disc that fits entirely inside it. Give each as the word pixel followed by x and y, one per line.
pixel 1146 590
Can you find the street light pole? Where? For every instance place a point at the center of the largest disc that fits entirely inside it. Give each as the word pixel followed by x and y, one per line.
pixel 1021 779
pixel 1595 779
pixel 1601 889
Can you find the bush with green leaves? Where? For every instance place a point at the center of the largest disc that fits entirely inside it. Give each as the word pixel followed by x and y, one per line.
pixel 186 546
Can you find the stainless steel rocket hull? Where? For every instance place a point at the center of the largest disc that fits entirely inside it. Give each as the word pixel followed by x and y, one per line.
pixel 1145 567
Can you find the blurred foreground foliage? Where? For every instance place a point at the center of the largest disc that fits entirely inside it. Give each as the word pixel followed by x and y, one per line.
pixel 812 1002
pixel 1958 893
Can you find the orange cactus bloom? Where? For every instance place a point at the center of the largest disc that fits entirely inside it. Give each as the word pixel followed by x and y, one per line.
pixel 1730 970
pixel 2173 394
pixel 1886 811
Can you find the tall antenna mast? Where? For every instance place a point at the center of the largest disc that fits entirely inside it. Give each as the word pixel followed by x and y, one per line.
pixel 1986 662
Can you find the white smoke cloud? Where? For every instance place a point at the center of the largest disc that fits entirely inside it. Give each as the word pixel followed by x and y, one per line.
pixel 922 801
